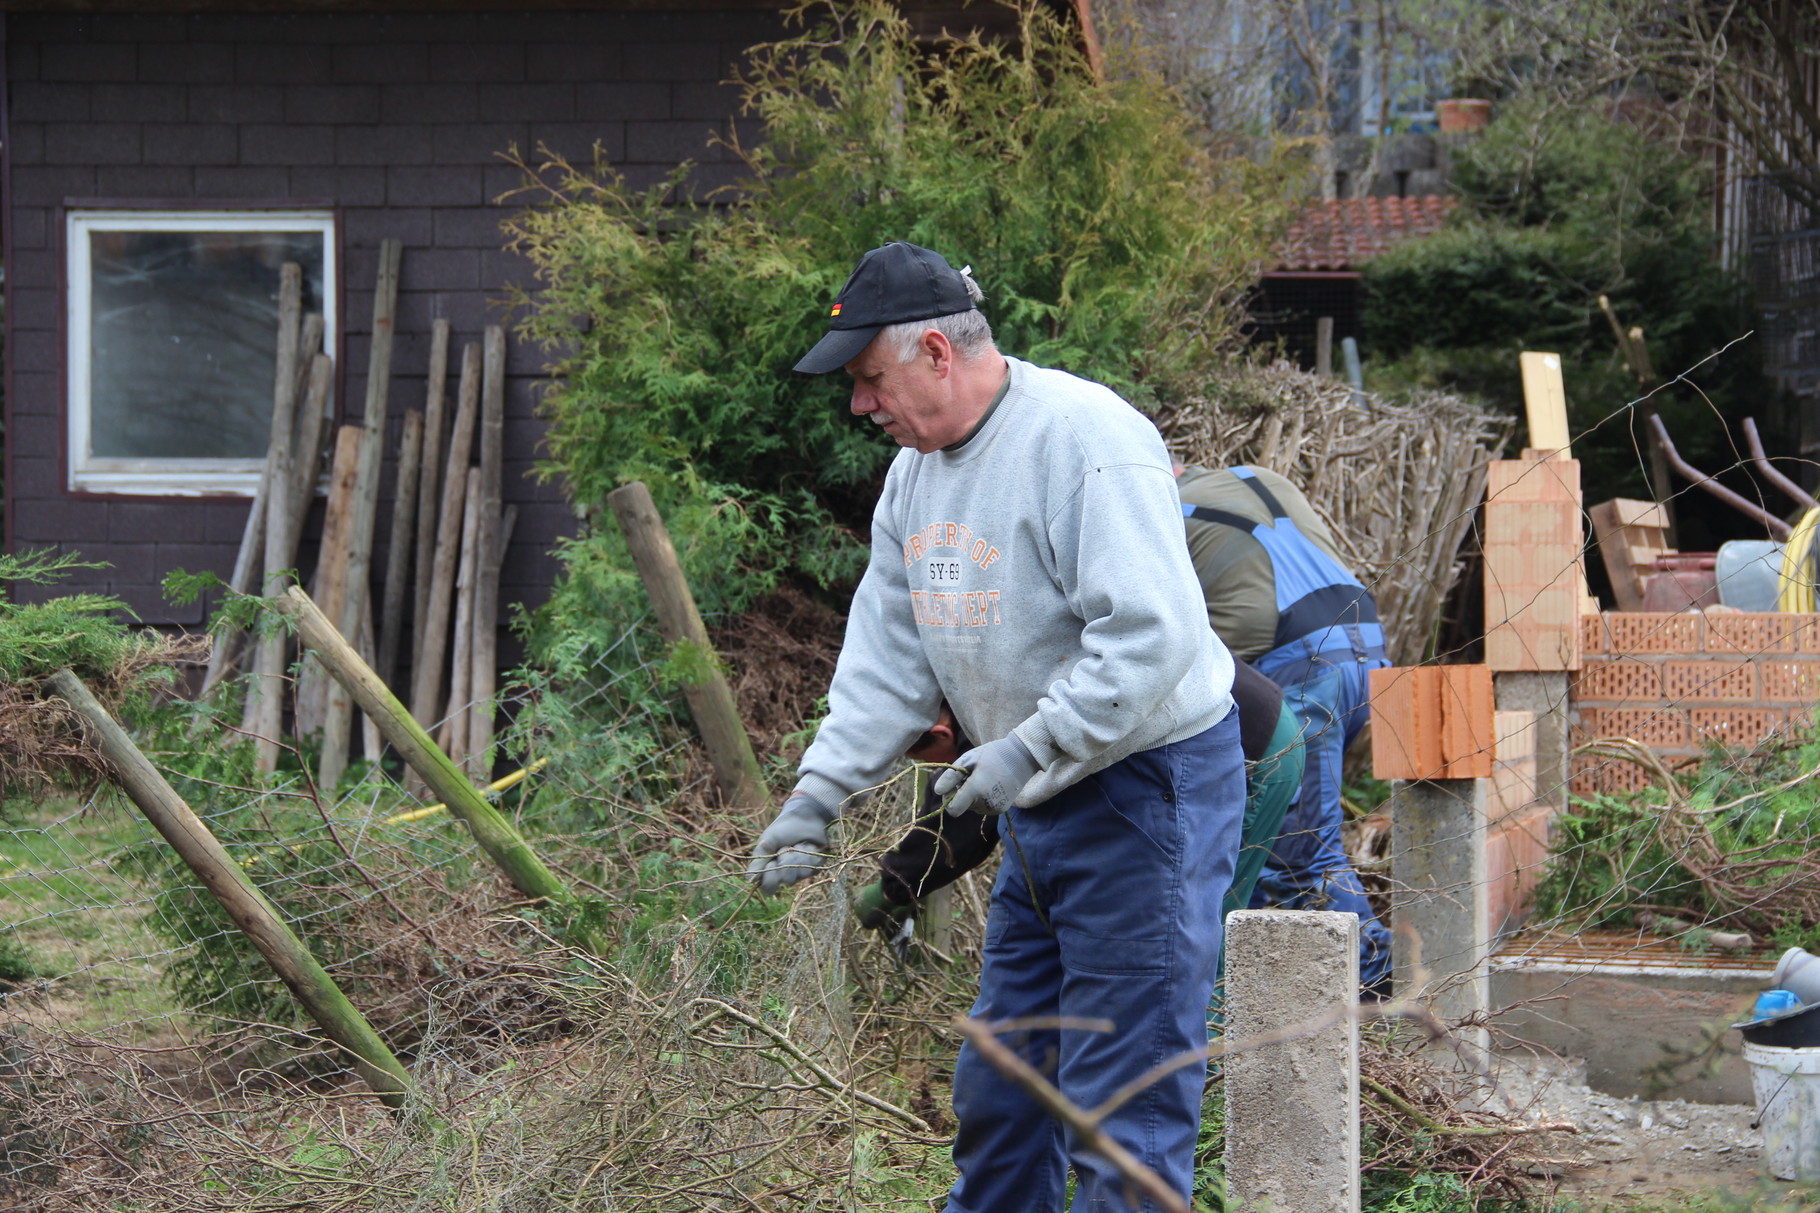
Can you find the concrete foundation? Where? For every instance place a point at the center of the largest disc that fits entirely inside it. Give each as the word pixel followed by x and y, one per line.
pixel 1641 1027
pixel 1438 895
pixel 1545 694
pixel 1292 1108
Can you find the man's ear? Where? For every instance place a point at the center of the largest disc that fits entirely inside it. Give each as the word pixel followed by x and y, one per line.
pixel 935 347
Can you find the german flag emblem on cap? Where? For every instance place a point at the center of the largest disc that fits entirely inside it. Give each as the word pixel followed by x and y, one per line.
pixel 836 311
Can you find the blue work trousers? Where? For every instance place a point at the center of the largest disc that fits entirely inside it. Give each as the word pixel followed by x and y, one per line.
pixel 1107 906
pixel 1308 868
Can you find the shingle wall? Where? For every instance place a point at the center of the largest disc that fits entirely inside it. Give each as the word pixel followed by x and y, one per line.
pixel 394 118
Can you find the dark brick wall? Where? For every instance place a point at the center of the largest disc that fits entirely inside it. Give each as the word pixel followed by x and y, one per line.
pixel 394 118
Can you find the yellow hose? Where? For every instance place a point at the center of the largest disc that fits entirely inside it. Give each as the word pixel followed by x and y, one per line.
pixel 498 785
pixel 1795 592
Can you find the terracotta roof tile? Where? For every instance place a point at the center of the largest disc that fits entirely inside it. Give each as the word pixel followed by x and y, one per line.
pixel 1342 234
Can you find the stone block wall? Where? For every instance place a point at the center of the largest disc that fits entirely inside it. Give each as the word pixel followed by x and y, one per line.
pixel 1678 682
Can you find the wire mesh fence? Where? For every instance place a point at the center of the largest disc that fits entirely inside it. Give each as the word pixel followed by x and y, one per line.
pixel 1649 802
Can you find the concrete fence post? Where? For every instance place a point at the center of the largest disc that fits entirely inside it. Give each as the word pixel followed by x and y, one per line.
pixel 1292 1108
pixel 1438 895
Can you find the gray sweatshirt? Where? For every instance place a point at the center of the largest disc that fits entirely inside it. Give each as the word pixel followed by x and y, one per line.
pixel 1036 578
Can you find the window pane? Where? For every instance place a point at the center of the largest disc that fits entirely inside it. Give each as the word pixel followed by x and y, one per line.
pixel 183 330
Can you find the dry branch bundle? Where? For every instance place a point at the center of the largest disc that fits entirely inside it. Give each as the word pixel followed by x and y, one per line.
pixel 1398 482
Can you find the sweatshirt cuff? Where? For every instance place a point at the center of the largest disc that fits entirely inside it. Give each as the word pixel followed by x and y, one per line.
pixel 1035 736
pixel 823 791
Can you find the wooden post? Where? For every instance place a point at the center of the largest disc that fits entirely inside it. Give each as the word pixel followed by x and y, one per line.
pixel 256 917
pixel 453 736
pixel 398 555
pixel 264 714
pixel 1323 347
pixel 484 636
pixel 710 698
pixel 331 577
pixel 365 504
pixel 429 485
pixel 491 830
pixel 306 468
pixel 432 646
pixel 252 539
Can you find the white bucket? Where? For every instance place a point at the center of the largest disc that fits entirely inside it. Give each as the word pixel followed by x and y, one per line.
pixel 1787 1083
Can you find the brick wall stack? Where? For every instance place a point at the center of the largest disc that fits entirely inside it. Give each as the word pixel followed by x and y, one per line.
pixel 1678 682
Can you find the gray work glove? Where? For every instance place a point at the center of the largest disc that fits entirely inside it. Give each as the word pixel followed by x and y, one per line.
pixel 793 846
pixel 989 777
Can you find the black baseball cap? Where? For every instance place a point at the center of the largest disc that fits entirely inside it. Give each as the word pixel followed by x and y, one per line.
pixel 893 284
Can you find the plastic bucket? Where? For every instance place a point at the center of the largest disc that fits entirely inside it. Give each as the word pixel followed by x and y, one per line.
pixel 1787 1084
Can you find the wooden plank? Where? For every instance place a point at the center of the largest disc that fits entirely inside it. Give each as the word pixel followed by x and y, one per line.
pixel 432 649
pixel 364 503
pixel 1545 401
pixel 484 637
pixel 314 419
pixel 398 582
pixel 710 699
pixel 429 484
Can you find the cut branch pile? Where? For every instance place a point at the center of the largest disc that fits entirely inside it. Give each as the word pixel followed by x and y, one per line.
pixel 1398 483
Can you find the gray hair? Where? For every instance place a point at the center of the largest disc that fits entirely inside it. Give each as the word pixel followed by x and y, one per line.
pixel 967 332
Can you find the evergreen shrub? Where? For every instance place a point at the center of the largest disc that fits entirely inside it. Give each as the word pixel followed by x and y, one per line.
pixel 1108 239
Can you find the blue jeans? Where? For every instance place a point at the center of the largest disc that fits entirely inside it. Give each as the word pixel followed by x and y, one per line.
pixel 1308 867
pixel 1107 905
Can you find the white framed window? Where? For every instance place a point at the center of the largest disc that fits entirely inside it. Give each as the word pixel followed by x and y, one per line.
pixel 172 335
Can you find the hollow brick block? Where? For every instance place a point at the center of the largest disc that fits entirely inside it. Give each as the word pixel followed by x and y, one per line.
pixel 1595 634
pixel 1656 727
pixel 1431 722
pixel 1736 726
pixel 1793 679
pixel 1513 770
pixel 1807 633
pixel 1709 681
pixel 1641 633
pixel 1618 681
pixel 1749 634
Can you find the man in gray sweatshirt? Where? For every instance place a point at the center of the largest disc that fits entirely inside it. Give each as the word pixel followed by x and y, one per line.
pixel 1027 566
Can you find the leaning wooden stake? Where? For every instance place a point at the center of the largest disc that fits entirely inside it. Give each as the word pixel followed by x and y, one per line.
pixel 491 830
pixel 429 484
pixel 398 557
pixel 484 638
pixel 256 917
pixel 264 715
pixel 432 646
pixel 710 698
pixel 366 496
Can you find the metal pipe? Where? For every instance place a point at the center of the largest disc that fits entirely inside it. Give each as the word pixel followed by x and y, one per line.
pixel 1777 528
pixel 1801 495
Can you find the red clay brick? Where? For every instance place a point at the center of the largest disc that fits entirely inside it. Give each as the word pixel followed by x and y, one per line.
pixel 1709 681
pixel 1807 633
pixel 1618 681
pixel 1642 632
pixel 1736 726
pixel 1750 634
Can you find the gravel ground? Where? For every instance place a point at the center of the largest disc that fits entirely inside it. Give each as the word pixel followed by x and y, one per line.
pixel 1637 1151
